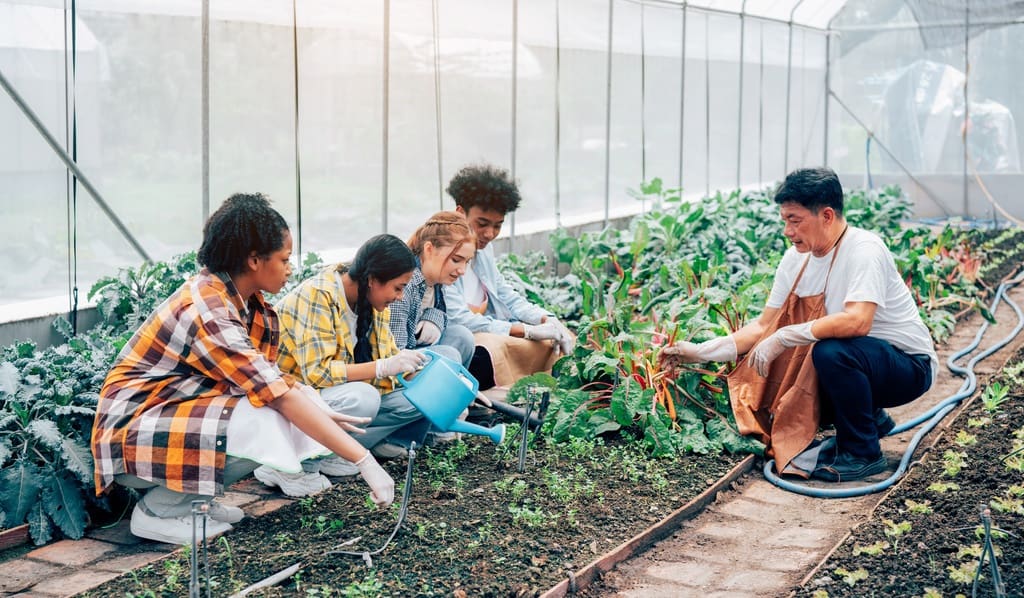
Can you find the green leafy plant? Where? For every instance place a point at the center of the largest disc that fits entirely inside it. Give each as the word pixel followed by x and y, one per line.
pixel 851 578
pixel 943 487
pixel 994 396
pixel 953 462
pixel 875 549
pixel 47 406
pixel 918 508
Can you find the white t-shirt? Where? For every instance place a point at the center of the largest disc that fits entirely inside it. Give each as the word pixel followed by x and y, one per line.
pixel 864 271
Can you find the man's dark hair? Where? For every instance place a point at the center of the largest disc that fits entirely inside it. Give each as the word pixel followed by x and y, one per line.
pixel 485 186
pixel 244 224
pixel 813 188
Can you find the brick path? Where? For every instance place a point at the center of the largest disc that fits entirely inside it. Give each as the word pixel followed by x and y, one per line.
pixel 69 567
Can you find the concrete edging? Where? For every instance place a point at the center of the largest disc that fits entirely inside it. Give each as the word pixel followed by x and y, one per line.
pixel 584 577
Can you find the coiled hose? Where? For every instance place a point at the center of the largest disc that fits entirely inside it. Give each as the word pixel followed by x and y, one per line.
pixel 930 418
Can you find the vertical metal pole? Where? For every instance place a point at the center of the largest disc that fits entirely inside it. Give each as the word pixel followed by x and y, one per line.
pixel 436 28
pixel 760 111
pixel 739 111
pixel 707 105
pixel 643 97
pixel 384 112
pixel 205 108
pixel 967 99
pixel 682 98
pixel 515 106
pixel 298 165
pixel 558 114
pixel 608 115
pixel 789 76
pixel 828 89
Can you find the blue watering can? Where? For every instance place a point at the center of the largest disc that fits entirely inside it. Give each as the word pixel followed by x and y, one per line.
pixel 441 391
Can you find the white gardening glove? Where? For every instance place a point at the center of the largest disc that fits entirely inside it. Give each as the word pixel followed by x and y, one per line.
pixel 565 341
pixel 787 337
pixel 406 360
pixel 427 332
pixel 382 487
pixel 722 348
pixel 547 331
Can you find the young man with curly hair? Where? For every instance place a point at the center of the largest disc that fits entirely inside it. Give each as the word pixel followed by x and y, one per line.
pixel 514 337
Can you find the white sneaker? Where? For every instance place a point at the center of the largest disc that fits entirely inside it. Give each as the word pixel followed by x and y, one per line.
pixel 173 530
pixel 292 484
pixel 386 450
pixel 225 513
pixel 337 467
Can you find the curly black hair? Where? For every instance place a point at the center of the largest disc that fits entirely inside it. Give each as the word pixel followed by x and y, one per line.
pixel 244 224
pixel 485 186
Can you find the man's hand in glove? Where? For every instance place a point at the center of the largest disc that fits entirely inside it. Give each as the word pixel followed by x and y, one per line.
pixel 549 330
pixel 787 337
pixel 382 487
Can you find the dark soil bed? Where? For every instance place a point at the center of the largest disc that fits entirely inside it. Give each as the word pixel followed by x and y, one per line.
pixel 475 525
pixel 925 537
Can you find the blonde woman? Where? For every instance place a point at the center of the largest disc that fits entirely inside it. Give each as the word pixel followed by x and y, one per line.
pixel 443 246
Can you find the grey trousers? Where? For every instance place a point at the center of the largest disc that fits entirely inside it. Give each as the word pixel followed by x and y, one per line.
pixel 395 420
pixel 160 501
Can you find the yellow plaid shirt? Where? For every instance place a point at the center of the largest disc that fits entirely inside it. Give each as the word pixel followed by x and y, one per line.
pixel 316 340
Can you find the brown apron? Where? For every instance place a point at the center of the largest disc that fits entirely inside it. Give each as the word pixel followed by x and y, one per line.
pixel 782 409
pixel 513 358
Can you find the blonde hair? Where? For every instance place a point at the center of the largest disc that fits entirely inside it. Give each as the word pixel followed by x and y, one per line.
pixel 443 229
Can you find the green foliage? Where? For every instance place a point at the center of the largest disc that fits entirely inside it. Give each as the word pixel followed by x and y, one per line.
pixel 851 578
pixel 47 406
pixel 125 301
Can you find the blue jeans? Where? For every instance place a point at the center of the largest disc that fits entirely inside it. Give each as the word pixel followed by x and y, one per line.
pixel 456 343
pixel 858 375
pixel 395 420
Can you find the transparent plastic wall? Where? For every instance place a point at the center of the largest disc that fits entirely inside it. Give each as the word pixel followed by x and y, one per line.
pixel 916 98
pixel 354 157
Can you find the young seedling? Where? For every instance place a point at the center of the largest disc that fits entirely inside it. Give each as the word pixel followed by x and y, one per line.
pixel 1007 505
pixel 918 508
pixel 895 530
pixel 875 549
pixel 963 574
pixel 851 578
pixel 994 396
pixel 964 438
pixel 978 422
pixel 943 487
pixel 953 462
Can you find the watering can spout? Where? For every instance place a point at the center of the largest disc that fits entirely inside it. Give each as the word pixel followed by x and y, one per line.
pixel 496 434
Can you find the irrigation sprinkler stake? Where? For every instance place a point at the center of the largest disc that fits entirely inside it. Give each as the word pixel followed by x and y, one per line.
pixel 201 510
pixel 531 394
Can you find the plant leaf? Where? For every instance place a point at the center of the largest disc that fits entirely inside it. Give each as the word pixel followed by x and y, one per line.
pixel 78 459
pixel 39 525
pixel 19 490
pixel 9 378
pixel 45 431
pixel 62 499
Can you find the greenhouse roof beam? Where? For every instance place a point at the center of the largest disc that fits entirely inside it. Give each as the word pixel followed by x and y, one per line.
pixel 752 13
pixel 72 166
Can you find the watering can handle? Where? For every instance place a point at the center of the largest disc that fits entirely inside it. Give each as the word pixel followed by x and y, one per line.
pixel 408 383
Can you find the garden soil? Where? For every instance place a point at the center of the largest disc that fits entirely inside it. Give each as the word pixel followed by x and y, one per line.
pixel 760 540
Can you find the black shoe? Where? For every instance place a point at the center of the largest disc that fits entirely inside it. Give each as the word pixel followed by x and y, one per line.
pixel 848 467
pixel 883 423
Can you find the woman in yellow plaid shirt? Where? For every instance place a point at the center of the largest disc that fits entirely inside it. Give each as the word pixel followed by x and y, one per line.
pixel 336 337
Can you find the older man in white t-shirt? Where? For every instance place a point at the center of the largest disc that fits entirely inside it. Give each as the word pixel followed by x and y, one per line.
pixel 866 339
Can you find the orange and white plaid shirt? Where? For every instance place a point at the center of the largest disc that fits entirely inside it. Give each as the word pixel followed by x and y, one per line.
pixel 164 408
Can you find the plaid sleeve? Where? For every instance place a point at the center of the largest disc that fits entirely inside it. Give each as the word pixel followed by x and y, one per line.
pixel 436 317
pixel 221 349
pixel 313 341
pixel 402 322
